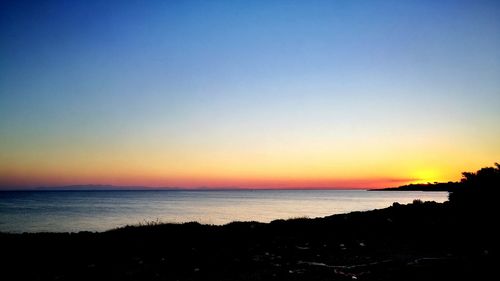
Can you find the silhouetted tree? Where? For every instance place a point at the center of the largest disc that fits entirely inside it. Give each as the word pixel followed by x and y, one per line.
pixel 479 190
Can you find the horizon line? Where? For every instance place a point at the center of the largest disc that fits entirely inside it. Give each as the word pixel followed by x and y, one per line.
pixel 105 187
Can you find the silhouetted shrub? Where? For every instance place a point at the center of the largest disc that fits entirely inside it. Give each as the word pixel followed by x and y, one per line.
pixel 479 190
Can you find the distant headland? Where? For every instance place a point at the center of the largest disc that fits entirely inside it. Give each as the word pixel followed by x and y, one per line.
pixel 436 186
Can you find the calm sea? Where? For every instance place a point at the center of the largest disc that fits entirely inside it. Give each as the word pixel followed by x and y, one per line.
pixel 62 211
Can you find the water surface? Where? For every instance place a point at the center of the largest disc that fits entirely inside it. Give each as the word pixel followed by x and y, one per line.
pixel 61 211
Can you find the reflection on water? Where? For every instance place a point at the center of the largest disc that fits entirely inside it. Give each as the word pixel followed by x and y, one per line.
pixel 103 210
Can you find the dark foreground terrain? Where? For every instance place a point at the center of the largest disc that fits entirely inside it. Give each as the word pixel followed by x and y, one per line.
pixel 420 241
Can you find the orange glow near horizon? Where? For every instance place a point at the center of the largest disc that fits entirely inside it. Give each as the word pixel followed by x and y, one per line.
pixel 239 164
pixel 295 164
pixel 193 183
pixel 210 179
pixel 260 166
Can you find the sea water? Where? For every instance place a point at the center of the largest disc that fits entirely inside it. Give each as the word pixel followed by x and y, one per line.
pixel 72 211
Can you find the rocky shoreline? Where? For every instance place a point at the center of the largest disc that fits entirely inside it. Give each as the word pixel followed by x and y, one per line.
pixel 419 241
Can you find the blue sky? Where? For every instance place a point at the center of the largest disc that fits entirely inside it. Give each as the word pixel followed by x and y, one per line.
pixel 182 79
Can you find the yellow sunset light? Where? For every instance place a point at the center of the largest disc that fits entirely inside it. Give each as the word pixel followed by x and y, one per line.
pixel 426 175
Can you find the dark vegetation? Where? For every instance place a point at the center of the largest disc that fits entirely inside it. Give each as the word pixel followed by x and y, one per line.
pixel 478 191
pixel 474 188
pixel 456 240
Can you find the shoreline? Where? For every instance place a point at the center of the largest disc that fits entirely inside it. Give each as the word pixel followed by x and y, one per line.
pixel 36 212
pixel 158 223
pixel 401 242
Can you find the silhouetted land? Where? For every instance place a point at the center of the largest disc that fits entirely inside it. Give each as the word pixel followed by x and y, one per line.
pixel 437 186
pixel 420 241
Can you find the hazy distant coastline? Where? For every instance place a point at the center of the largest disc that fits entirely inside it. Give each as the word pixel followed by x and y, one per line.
pixel 97 187
pixel 431 187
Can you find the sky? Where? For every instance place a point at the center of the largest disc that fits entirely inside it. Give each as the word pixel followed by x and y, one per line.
pixel 250 94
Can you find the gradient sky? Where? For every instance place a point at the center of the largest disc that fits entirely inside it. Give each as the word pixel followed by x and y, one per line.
pixel 247 93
